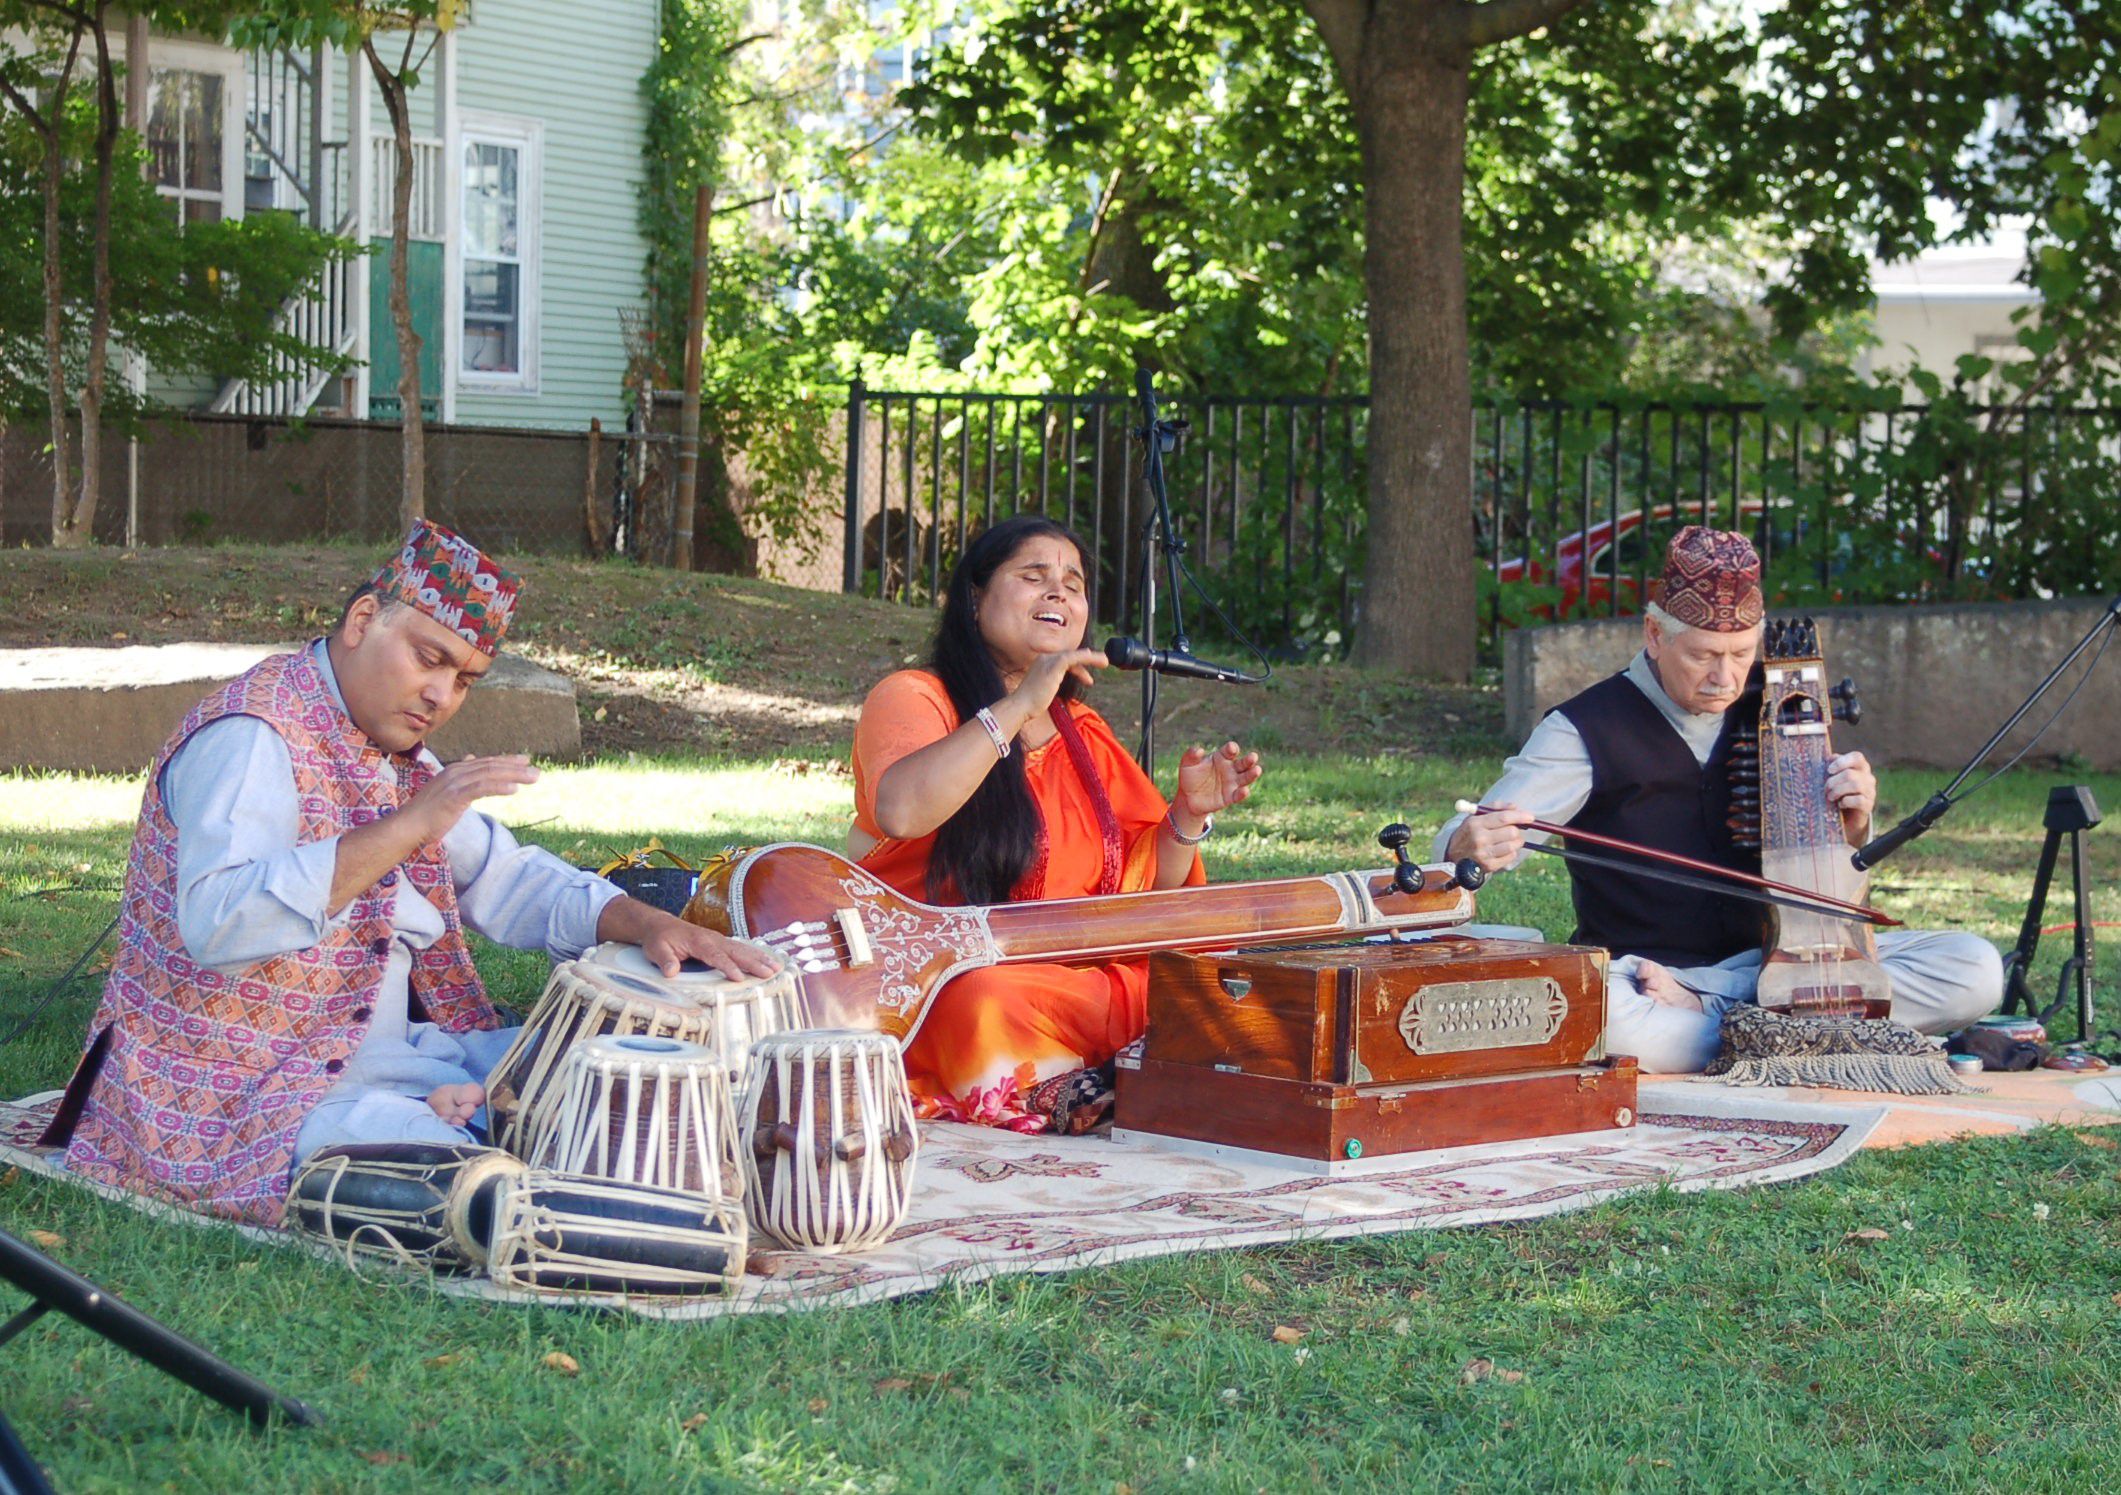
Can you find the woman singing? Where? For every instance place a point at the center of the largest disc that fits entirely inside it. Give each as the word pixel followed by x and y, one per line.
pixel 985 779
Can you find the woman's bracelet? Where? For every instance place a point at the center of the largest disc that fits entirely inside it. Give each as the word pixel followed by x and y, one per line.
pixel 985 717
pixel 1207 829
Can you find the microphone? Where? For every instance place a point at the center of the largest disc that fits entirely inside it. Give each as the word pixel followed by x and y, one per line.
pixel 1133 654
pixel 1875 851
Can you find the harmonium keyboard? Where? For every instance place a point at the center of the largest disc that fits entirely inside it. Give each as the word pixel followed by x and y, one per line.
pixel 1329 1054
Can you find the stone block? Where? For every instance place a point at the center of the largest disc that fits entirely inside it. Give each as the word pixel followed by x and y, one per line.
pixel 110 710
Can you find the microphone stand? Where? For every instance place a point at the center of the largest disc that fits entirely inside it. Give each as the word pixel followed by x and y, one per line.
pixel 1159 537
pixel 1877 850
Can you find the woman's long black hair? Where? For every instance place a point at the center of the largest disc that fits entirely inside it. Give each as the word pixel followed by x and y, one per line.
pixel 983 851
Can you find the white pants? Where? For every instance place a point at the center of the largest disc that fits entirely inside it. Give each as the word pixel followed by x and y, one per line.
pixel 1941 983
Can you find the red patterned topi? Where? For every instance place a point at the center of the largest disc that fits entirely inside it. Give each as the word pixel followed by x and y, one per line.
pixel 445 576
pixel 1712 580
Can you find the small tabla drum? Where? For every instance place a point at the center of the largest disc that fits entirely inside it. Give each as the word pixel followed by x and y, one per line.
pixel 829 1141
pixel 561 1233
pixel 641 1109
pixel 581 1001
pixel 741 1012
pixel 428 1204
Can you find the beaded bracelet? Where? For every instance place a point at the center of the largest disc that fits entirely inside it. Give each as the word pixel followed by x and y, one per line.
pixel 985 717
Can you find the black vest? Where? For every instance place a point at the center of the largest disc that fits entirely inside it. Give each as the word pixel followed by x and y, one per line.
pixel 1647 788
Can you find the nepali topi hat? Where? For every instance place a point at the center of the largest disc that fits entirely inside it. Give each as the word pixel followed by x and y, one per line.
pixel 1712 580
pixel 445 576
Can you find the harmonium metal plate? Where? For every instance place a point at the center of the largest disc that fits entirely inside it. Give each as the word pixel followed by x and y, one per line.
pixel 1341 1051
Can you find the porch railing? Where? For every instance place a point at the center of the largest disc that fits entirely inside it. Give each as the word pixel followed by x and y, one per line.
pixel 321 315
pixel 427 218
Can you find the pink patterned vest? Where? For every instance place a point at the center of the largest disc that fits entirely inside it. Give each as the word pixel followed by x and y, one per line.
pixel 196 1082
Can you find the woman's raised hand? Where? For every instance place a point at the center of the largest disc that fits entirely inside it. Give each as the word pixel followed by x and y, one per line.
pixel 1042 682
pixel 1209 783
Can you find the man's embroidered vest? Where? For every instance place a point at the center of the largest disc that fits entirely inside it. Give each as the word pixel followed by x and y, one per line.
pixel 196 1081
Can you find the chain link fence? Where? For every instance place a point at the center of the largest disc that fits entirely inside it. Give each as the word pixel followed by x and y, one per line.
pixel 206 479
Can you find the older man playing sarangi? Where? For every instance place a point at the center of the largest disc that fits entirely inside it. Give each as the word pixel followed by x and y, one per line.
pixel 1640 756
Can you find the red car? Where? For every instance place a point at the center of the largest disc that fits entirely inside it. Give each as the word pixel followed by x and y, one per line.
pixel 1591 566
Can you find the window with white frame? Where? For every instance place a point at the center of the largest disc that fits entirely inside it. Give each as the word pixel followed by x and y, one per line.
pixel 498 262
pixel 186 141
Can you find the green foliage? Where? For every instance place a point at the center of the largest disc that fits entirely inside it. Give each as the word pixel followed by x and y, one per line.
pixel 200 299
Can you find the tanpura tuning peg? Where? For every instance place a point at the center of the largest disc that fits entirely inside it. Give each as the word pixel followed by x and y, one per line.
pixel 1406 875
pixel 1847 708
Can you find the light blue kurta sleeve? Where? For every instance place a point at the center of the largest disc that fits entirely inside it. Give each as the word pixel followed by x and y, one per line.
pixel 245 890
pixel 523 896
pixel 1550 776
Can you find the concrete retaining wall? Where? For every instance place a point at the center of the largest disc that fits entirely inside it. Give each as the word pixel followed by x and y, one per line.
pixel 1935 681
pixel 110 710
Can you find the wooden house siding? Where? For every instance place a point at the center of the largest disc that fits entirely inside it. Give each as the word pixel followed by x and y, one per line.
pixel 576 69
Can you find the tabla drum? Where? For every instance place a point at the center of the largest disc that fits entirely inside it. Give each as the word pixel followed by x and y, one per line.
pixel 561 1233
pixel 742 1011
pixel 829 1140
pixel 641 1109
pixel 428 1204
pixel 582 1000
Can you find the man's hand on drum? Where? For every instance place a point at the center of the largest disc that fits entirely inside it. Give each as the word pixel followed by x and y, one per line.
pixel 1852 789
pixel 669 941
pixel 1494 837
pixel 1209 783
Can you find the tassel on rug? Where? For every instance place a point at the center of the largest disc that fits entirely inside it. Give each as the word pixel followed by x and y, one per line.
pixel 1842 1053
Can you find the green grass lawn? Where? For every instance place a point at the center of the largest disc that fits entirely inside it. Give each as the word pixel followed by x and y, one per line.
pixel 1741 1340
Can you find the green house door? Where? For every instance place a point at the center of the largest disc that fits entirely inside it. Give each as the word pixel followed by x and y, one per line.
pixel 424 280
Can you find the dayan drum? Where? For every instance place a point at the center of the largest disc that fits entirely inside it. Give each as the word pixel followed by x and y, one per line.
pixel 642 1109
pixel 740 1011
pixel 429 1204
pixel 560 1233
pixel 615 989
pixel 829 1140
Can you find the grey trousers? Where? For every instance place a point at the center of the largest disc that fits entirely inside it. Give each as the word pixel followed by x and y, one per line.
pixel 1941 982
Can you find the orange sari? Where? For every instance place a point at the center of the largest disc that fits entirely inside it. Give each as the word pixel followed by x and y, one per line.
pixel 991 1035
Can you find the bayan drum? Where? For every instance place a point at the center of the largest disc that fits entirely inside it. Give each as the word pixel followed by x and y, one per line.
pixel 829 1140
pixel 558 1233
pixel 642 1110
pixel 429 1204
pixel 740 1011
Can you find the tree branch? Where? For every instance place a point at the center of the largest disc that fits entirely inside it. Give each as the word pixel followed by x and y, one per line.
pixel 1340 24
pixel 1500 20
pixel 744 41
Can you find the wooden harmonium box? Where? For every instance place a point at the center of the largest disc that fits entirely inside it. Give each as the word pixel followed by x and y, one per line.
pixel 1338 1052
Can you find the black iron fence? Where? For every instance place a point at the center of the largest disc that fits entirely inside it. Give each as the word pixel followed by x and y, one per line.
pixel 1570 505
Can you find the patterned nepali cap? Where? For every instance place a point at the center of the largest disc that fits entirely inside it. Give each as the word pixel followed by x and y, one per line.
pixel 1712 580
pixel 445 576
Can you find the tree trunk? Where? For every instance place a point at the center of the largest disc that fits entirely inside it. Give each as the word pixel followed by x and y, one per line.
pixel 412 448
pixel 55 298
pixel 1419 605
pixel 80 529
pixel 684 509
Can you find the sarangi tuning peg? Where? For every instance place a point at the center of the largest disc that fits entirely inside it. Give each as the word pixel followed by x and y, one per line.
pixel 1847 708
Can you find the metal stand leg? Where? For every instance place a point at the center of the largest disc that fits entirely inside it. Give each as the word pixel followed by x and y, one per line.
pixel 2071 812
pixel 54 1286
pixel 19 1474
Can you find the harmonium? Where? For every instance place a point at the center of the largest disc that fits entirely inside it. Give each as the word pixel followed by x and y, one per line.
pixel 1333 1053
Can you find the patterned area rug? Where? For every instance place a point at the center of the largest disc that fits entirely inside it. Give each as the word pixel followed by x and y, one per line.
pixel 989 1202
